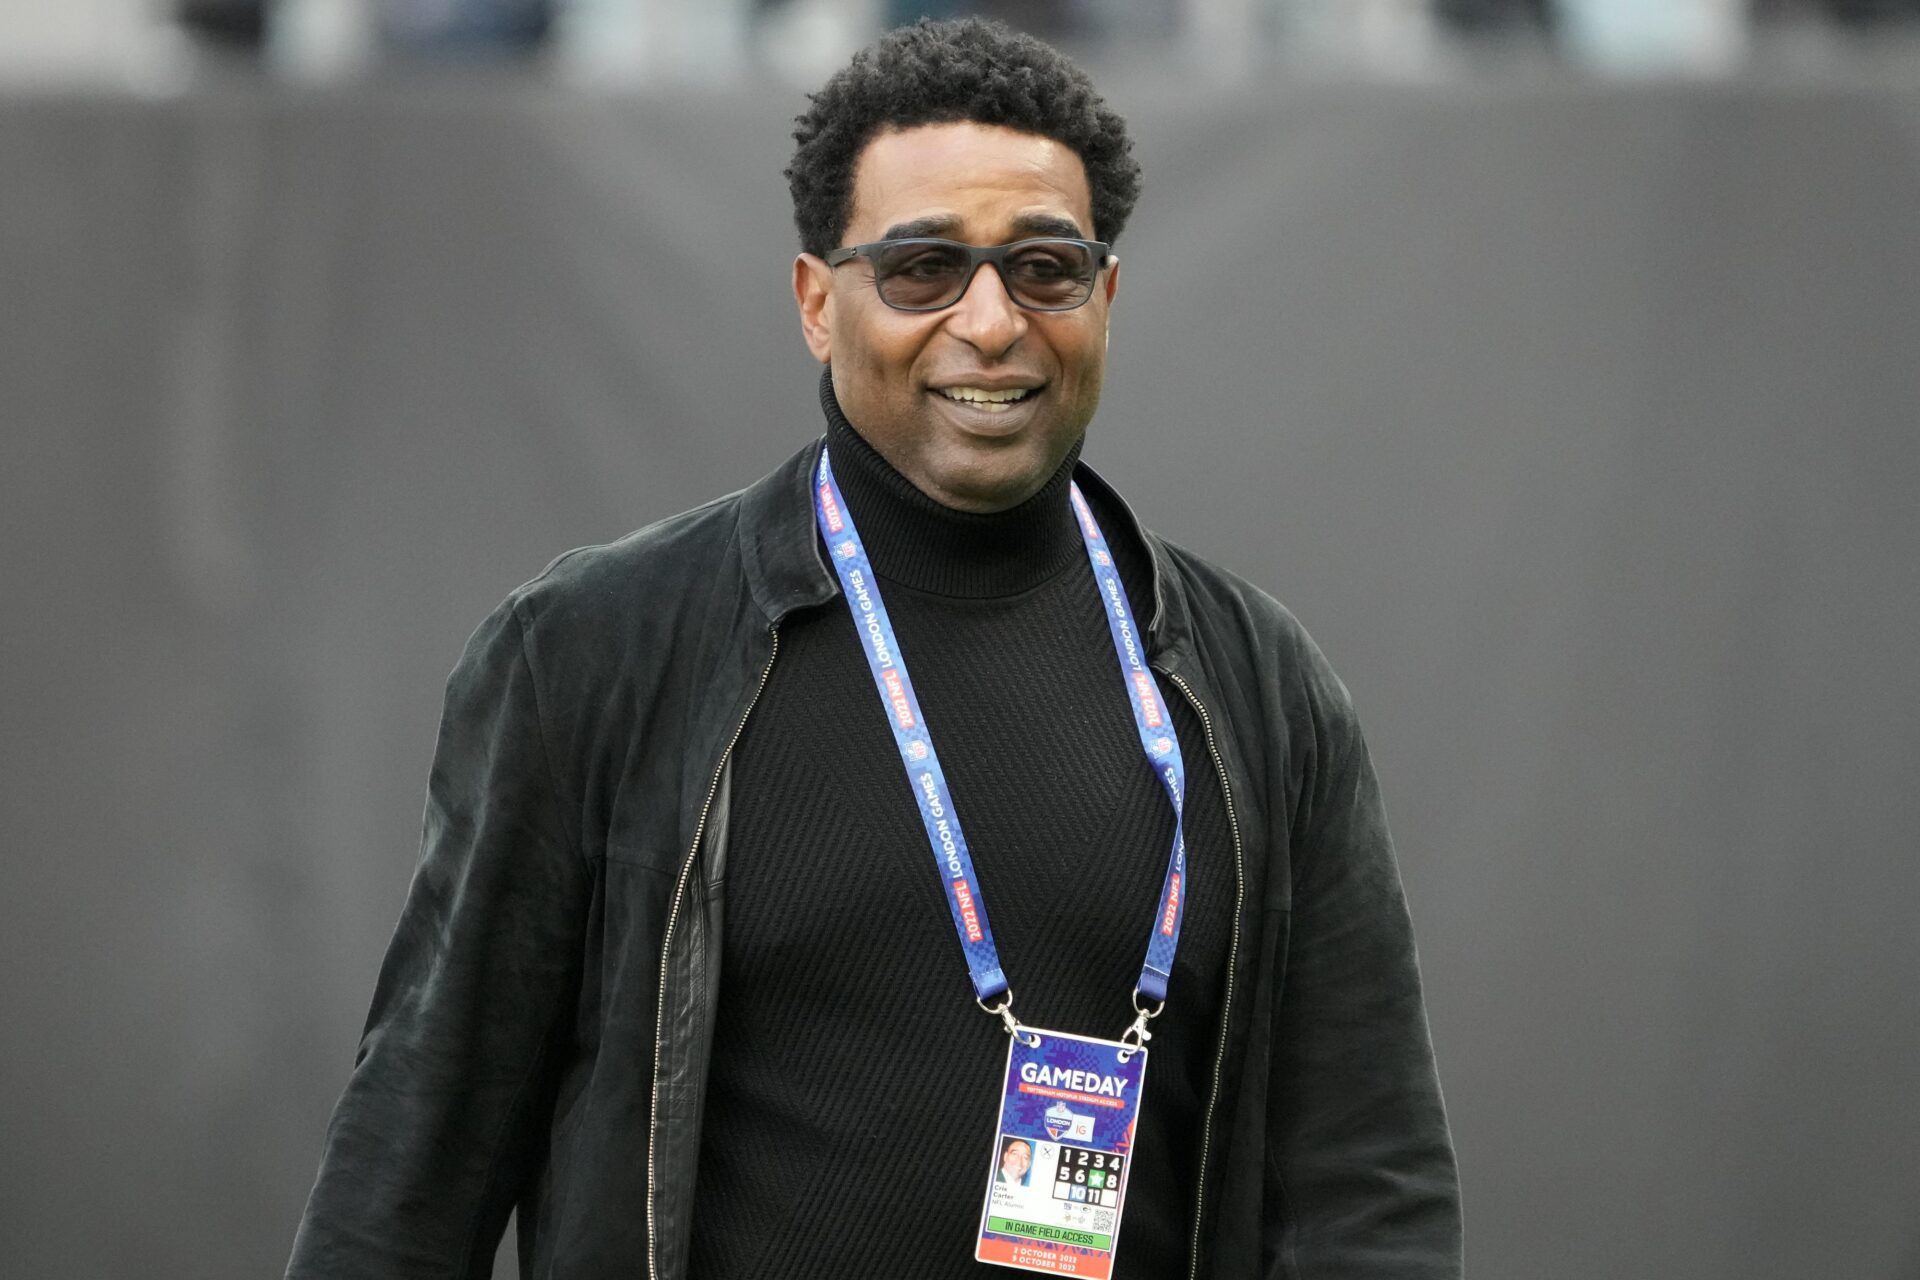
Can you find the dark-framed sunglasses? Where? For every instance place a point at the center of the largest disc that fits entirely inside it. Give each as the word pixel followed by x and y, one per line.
pixel 1050 273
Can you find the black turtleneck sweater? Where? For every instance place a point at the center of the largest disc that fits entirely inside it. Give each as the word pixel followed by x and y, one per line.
pixel 854 1083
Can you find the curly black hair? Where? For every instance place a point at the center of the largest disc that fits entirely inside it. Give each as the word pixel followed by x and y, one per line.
pixel 940 72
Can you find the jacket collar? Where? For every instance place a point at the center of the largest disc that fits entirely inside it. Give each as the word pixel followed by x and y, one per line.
pixel 780 550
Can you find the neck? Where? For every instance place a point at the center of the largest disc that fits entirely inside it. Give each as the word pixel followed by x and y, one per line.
pixel 918 542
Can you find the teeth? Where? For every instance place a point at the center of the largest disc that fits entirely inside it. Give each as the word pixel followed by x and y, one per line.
pixel 985 399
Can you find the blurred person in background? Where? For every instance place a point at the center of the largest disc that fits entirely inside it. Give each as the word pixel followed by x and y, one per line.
pixel 676 973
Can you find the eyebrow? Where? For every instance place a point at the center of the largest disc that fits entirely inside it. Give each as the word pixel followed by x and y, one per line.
pixel 934 225
pixel 946 226
pixel 1047 224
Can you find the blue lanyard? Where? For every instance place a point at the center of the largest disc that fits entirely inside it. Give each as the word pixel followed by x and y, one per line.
pixel 929 782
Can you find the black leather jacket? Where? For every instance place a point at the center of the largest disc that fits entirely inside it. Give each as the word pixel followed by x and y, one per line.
pixel 540 1030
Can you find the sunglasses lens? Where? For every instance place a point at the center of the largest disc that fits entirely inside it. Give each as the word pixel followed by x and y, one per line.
pixel 1051 275
pixel 919 275
pixel 926 275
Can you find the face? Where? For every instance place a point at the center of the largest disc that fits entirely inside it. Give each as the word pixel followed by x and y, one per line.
pixel 1014 1161
pixel 895 372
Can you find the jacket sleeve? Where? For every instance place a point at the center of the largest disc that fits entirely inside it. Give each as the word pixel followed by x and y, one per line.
pixel 1363 1165
pixel 444 1116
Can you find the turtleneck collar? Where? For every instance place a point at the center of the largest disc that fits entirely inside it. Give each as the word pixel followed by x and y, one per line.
pixel 920 543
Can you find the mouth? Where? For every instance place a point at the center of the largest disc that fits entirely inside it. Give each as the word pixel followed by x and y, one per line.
pixel 988 400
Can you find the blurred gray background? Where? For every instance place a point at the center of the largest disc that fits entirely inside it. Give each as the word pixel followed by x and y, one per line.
pixel 1572 412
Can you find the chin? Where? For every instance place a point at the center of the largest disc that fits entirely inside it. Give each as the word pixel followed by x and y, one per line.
pixel 995 485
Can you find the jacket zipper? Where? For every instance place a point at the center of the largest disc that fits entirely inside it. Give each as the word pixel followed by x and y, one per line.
pixel 1233 963
pixel 666 950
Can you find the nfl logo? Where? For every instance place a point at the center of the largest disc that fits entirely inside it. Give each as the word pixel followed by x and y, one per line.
pixel 918 750
pixel 846 550
pixel 1103 557
pixel 1162 745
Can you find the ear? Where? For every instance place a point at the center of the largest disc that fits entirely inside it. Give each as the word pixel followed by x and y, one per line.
pixel 813 293
pixel 1112 287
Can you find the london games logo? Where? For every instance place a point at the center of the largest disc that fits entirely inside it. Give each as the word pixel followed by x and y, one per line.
pixel 1062 1121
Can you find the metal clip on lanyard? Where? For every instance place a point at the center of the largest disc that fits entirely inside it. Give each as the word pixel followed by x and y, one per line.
pixel 1137 1035
pixel 929 782
pixel 1015 1027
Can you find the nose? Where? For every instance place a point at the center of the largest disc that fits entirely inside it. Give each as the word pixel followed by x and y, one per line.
pixel 986 317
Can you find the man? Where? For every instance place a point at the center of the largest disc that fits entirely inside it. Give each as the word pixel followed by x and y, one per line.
pixel 676 976
pixel 1015 1161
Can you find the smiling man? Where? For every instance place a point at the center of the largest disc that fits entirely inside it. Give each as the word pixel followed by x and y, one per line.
pixel 745 831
